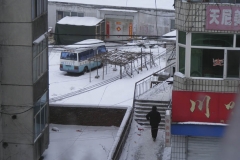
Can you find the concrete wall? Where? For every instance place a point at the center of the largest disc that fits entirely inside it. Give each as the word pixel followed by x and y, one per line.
pixel 17 33
pixel 89 116
pixel 15 12
pixel 18 129
pixel 16 65
pixel 17 151
pixel 190 17
pixel 147 22
pixel 206 85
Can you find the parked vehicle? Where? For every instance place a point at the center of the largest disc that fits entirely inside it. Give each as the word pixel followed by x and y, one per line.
pixel 74 59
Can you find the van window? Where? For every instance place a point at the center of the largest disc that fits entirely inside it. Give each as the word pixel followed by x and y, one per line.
pixel 85 55
pixel 68 56
pixel 101 49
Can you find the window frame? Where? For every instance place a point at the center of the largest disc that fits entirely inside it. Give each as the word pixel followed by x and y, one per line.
pixel 39 109
pixel 40 58
pixel 79 14
pixel 172 26
pixel 226 49
pixel 39 7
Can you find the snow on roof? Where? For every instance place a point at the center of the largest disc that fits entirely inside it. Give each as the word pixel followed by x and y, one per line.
pixel 89 41
pixel 173 33
pixel 80 21
pixel 117 10
pixel 84 44
pixel 163 4
pixel 179 74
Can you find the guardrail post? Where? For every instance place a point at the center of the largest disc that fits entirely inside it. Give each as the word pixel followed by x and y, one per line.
pixel 168 128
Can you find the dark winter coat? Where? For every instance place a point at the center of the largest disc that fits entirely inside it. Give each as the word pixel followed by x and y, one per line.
pixel 154 117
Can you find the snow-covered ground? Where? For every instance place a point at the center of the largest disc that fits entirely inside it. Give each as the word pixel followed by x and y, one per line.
pixel 73 142
pixel 140 146
pixel 94 143
pixel 118 93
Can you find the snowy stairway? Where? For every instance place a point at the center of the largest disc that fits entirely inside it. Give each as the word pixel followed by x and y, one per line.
pixel 142 107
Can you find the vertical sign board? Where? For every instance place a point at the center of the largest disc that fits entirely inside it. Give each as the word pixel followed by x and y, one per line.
pixel 223 18
pixel 130 30
pixel 168 129
pixel 210 107
pixel 107 29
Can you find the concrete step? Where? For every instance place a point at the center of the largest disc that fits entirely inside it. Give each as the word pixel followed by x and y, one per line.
pixel 148 125
pixel 145 111
pixel 142 107
pixel 144 114
pixel 151 104
pixel 150 107
pixel 144 119
pixel 150 101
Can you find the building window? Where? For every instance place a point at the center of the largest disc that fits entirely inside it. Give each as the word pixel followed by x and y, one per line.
pixel 182 60
pixel 40 115
pixel 207 63
pixel 38 8
pixel 40 57
pixel 62 14
pixel 215 40
pixel 233 64
pixel 181 37
pixel 172 24
pixel 237 40
pixel 39 65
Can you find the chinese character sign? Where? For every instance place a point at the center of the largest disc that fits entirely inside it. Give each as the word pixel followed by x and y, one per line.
pixel 202 106
pixel 223 18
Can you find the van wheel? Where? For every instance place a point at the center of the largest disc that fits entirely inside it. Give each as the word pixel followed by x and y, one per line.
pixel 100 65
pixel 85 69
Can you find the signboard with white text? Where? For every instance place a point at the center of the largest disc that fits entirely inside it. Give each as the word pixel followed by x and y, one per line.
pixel 223 18
pixel 202 106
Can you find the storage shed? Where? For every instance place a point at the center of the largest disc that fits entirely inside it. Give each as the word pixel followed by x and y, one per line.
pixel 70 30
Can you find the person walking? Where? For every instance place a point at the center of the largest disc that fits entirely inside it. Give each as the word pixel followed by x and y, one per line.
pixel 155 118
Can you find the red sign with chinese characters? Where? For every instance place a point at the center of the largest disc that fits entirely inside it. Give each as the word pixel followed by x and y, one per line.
pixel 223 18
pixel 107 29
pixel 202 106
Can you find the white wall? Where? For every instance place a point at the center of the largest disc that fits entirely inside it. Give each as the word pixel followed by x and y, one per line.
pixel 144 21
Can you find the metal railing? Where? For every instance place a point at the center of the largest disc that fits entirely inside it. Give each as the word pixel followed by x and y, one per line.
pixel 145 84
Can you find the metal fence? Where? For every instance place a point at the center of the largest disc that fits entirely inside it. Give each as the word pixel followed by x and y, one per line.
pixel 148 82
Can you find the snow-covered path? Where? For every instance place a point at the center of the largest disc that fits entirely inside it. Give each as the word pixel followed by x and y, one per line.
pixel 140 146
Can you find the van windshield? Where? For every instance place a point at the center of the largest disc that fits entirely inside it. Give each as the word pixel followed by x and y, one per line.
pixel 101 49
pixel 68 56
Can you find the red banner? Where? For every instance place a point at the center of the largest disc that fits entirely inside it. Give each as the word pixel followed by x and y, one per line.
pixel 202 106
pixel 107 29
pixel 130 30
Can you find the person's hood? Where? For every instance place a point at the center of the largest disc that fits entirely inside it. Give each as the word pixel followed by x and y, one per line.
pixel 154 108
